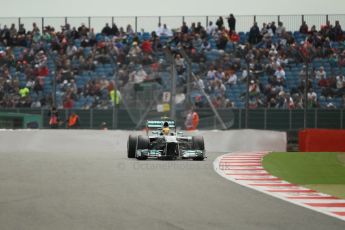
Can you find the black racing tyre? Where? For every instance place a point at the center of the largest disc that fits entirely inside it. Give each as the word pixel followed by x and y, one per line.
pixel 143 142
pixel 198 143
pixel 131 146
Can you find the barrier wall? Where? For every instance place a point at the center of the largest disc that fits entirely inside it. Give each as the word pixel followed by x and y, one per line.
pixel 64 141
pixel 322 140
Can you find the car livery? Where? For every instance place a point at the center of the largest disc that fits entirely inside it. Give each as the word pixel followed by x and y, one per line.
pixel 159 144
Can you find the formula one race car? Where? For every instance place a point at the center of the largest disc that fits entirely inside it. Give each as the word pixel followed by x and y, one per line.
pixel 163 142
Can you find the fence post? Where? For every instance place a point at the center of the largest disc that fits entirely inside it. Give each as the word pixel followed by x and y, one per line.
pixel 42 115
pixel 302 18
pixel 214 122
pixel 265 118
pixel 66 21
pixel 91 118
pixel 182 19
pixel 66 117
pixel 112 20
pixel 239 118
pixel 89 22
pixel 254 18
pixel 19 22
pixel 206 21
pixel 341 118
pixel 326 18
pixel 315 118
pixel 278 18
pixel 290 119
pixel 159 20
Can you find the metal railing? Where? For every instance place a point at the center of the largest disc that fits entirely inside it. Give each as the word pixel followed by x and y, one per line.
pixel 150 23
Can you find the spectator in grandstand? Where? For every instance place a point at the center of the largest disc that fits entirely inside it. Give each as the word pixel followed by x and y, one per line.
pixel 303 29
pixel 139 75
pixel 184 28
pixel 114 30
pixel 280 29
pixel 199 29
pixel 211 73
pixel 337 31
pixel 106 30
pixel 205 46
pixel 180 64
pixel 135 52
pixel 220 23
pixel 321 73
pixel 232 23
pixel 163 30
pixel 312 99
pixel 222 40
pixel 211 28
pixel 129 29
pixel 230 77
pixel 340 80
pixel 254 34
pixel 279 77
pixel 159 29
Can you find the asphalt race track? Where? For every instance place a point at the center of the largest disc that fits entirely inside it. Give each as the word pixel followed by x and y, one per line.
pixel 83 180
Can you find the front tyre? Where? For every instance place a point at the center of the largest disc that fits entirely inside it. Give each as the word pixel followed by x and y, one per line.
pixel 143 142
pixel 131 146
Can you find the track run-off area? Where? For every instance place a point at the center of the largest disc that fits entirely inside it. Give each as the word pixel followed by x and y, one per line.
pixel 82 179
pixel 246 169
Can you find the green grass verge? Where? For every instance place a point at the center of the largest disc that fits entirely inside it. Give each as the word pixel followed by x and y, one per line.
pixel 324 172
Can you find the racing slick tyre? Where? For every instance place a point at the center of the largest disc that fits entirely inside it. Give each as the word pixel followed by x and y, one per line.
pixel 131 146
pixel 143 142
pixel 198 144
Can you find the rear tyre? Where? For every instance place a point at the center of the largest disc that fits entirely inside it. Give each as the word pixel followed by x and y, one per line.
pixel 131 146
pixel 198 144
pixel 143 142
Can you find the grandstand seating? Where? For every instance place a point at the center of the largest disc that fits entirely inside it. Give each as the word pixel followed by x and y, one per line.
pixel 108 70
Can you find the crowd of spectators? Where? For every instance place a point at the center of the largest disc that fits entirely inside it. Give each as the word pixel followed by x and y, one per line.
pixel 271 59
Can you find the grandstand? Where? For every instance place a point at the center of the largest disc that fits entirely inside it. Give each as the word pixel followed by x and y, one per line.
pixel 76 67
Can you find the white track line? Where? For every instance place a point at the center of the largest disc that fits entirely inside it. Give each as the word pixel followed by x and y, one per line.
pixel 246 169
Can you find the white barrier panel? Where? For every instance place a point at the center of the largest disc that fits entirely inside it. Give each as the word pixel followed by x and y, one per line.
pixel 50 141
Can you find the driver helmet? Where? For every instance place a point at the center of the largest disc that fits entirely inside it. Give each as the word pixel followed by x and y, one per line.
pixel 166 129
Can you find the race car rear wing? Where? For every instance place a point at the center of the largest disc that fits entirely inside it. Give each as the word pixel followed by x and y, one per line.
pixel 159 124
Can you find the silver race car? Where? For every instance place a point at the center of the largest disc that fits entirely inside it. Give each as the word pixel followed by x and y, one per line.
pixel 162 141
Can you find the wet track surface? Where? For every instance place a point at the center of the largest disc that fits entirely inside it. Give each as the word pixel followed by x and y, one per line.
pixel 83 180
